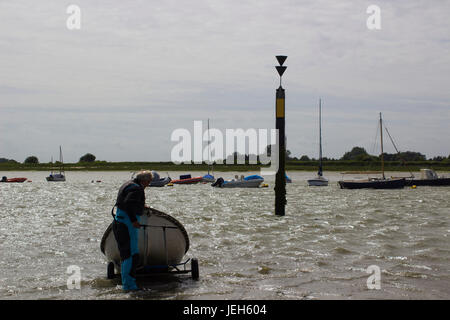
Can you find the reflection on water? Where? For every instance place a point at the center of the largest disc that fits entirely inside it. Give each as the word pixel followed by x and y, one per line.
pixel 321 249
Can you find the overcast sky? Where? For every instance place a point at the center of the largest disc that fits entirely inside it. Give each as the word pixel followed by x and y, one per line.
pixel 138 70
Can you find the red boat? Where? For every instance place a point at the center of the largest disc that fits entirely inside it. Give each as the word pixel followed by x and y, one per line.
pixel 187 179
pixel 4 179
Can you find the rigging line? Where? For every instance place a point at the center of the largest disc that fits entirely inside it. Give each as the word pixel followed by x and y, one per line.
pixel 392 140
pixel 398 152
pixel 375 140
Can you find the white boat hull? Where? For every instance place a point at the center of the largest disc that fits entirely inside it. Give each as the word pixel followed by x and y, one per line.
pixel 160 182
pixel 163 242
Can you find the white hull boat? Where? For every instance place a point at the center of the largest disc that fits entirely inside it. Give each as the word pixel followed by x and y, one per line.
pixel 319 181
pixel 161 182
pixel 157 181
pixel 247 182
pixel 162 241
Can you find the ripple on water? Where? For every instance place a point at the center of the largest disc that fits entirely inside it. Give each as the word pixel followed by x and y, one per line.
pixel 320 249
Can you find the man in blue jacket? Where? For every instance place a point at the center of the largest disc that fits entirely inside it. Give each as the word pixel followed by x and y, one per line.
pixel 130 206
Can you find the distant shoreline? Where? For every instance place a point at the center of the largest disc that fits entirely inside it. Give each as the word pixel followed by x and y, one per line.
pixel 332 165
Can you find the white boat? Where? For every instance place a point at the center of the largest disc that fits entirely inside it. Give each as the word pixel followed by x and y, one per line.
pixel 319 180
pixel 157 181
pixel 162 241
pixel 253 181
pixel 61 175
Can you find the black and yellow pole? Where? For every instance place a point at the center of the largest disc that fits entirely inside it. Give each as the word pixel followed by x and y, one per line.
pixel 280 178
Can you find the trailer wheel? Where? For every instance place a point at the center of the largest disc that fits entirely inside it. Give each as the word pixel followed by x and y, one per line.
pixel 110 270
pixel 194 269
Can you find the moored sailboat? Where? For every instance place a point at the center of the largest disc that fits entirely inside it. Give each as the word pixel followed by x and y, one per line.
pixel 209 177
pixel 320 180
pixel 61 175
pixel 375 183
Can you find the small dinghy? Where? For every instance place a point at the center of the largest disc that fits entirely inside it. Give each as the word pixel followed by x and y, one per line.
pixel 187 179
pixel 10 180
pixel 162 242
pixel 208 178
pixel 253 181
pixel 157 181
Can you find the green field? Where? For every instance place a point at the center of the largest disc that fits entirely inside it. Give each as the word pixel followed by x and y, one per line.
pixel 334 165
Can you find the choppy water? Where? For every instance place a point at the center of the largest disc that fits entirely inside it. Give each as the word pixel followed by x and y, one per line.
pixel 321 249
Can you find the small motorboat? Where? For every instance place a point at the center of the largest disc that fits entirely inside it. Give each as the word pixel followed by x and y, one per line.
pixel 187 179
pixel 253 181
pixel 10 180
pixel 162 242
pixel 157 181
pixel 428 177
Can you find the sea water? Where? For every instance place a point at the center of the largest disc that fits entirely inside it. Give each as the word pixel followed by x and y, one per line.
pixel 327 246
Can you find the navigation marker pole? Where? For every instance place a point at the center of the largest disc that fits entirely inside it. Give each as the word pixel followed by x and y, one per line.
pixel 280 178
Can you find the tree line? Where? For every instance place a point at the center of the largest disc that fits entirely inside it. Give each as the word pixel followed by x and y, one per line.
pixel 356 154
pixel 88 157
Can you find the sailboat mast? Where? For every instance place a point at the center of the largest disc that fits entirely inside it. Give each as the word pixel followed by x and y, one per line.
pixel 320 137
pixel 61 165
pixel 209 149
pixel 382 151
